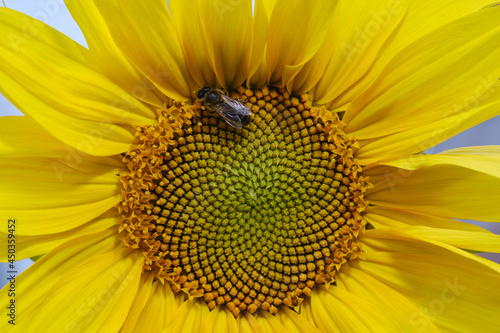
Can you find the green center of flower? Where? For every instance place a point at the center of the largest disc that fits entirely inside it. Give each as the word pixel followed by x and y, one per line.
pixel 249 218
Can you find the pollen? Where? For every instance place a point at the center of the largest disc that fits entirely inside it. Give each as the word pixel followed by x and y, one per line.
pixel 252 219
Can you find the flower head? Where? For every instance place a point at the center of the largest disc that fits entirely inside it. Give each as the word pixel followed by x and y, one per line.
pixel 229 166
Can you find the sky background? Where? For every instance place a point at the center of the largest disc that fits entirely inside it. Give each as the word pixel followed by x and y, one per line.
pixel 55 14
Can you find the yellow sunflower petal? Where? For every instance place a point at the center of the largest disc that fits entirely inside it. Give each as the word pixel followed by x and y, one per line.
pixel 50 196
pixel 58 219
pixel 62 80
pixel 483 241
pixel 455 63
pixel 460 187
pixel 263 322
pixel 39 278
pixel 87 169
pixel 338 310
pixel 307 78
pixel 158 311
pixel 268 323
pixel 358 33
pixel 220 320
pixel 76 103
pixel 400 309
pixel 484 159
pixel 31 246
pixel 453 287
pixel 425 245
pixel 191 36
pixel 306 310
pixel 426 136
pixel 431 228
pixel 141 298
pixel 228 37
pixel 88 136
pixel 155 50
pixel 106 54
pixel 421 18
pixel 425 16
pixel 257 74
pixel 19 133
pixel 269 6
pixel 188 318
pixel 247 323
pixel 295 323
pixel 111 281
pixel 296 31
pixel 390 217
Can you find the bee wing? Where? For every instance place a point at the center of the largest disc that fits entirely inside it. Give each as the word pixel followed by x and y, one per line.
pixel 229 114
pixel 239 107
pixel 231 110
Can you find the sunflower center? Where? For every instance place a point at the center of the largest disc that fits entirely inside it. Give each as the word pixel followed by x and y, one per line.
pixel 249 218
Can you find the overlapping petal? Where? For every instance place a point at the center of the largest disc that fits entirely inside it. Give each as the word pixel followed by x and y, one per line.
pixel 452 287
pixel 153 309
pixel 111 281
pixel 38 197
pixel 106 55
pixel 51 79
pixel 359 31
pixel 28 246
pixel 400 309
pixel 421 18
pixel 428 135
pixel 257 74
pixel 454 70
pixel 20 132
pixel 51 196
pixel 428 227
pixel 391 217
pixel 296 32
pixel 460 185
pixel 190 317
pixel 220 320
pixel 156 52
pixel 293 322
pixel 39 279
pixel 141 299
pixel 339 310
pixel 227 32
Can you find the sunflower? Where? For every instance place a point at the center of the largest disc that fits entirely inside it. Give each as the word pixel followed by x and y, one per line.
pixel 159 204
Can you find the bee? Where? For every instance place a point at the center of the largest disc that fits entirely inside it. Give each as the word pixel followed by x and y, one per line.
pixel 234 112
